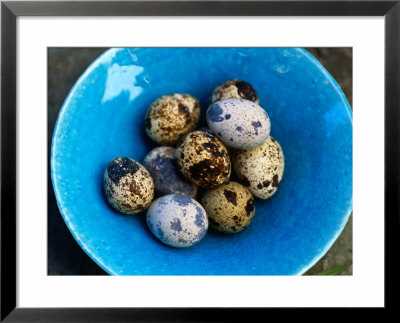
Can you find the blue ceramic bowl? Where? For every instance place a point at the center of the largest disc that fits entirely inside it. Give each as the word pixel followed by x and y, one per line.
pixel 103 117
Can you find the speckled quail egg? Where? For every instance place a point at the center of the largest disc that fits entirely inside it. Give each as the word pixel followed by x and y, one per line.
pixel 260 169
pixel 203 159
pixel 235 89
pixel 239 123
pixel 177 220
pixel 167 178
pixel 171 117
pixel 128 186
pixel 230 207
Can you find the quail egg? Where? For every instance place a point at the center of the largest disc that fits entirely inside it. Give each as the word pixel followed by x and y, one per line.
pixel 177 220
pixel 128 186
pixel 260 169
pixel 239 123
pixel 163 168
pixel 230 207
pixel 235 89
pixel 171 117
pixel 203 159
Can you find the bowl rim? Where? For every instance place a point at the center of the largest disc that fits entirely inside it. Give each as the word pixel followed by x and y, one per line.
pixel 349 210
pixel 109 54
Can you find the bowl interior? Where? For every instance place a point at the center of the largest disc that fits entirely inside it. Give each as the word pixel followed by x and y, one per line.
pixel 103 117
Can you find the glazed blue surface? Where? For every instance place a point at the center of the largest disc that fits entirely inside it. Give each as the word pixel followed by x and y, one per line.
pixel 103 117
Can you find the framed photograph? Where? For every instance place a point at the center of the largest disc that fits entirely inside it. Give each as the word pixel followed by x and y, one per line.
pixel 80 84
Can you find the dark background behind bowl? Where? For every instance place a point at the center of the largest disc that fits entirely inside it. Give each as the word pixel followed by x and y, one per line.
pixel 65 65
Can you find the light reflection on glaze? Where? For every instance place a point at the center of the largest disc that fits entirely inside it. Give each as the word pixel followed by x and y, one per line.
pixel 122 79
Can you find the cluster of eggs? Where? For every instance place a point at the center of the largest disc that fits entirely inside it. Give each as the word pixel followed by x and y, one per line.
pixel 186 183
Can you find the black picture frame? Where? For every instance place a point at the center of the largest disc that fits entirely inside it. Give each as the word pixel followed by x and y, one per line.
pixel 10 10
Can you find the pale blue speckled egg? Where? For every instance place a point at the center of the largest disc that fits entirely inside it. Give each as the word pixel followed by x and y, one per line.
pixel 167 178
pixel 177 220
pixel 239 123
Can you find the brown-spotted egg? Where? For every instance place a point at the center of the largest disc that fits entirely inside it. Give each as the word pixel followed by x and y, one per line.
pixel 163 168
pixel 177 220
pixel 171 117
pixel 239 123
pixel 230 207
pixel 128 186
pixel 260 169
pixel 235 89
pixel 203 159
